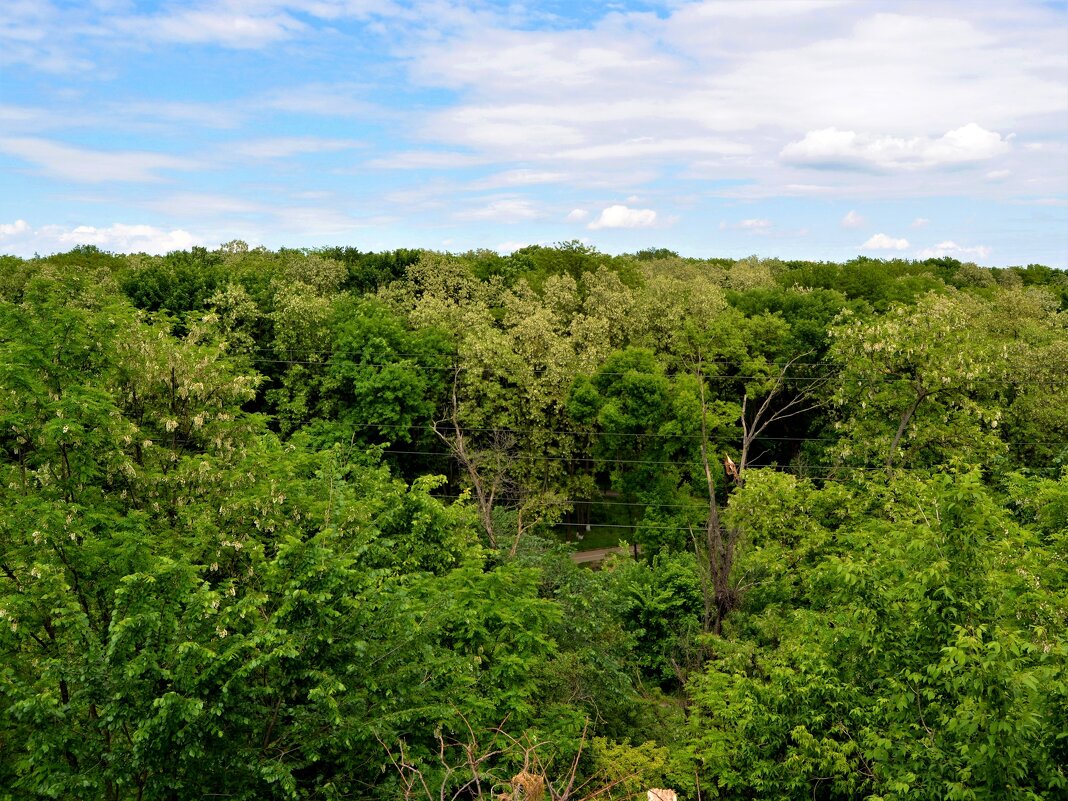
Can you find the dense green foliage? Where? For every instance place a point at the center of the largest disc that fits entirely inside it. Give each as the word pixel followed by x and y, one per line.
pixel 296 525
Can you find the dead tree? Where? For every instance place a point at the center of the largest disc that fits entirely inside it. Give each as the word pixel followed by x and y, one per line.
pixel 715 552
pixel 484 468
pixel 769 412
pixel 491 469
pixel 717 546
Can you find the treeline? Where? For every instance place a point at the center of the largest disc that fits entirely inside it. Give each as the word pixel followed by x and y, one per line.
pixel 298 524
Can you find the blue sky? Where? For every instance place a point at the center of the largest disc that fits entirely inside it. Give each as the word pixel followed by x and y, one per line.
pixel 794 128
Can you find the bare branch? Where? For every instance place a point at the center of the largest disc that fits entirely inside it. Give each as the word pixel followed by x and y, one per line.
pixel 766 415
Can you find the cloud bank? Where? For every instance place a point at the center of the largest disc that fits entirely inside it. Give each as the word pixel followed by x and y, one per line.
pixel 831 148
pixel 22 239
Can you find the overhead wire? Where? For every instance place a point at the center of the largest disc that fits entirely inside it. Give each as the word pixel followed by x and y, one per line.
pixel 627 434
pixel 885 378
pixel 674 463
pixel 455 355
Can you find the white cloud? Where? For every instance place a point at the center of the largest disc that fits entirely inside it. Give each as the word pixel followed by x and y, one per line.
pixel 507 210
pixel 93 166
pixel 22 239
pixel 520 177
pixel 697 99
pixel 205 204
pixel 764 8
pixel 953 250
pixel 214 26
pixel 129 238
pixel 973 69
pixel 852 220
pixel 807 189
pixel 920 222
pixel 884 242
pixel 426 160
pixel 714 90
pixel 285 146
pixel 31 33
pixel 648 147
pixel 998 175
pixel 22 116
pixel 321 99
pixel 318 221
pixel 577 215
pixel 624 217
pixel 754 225
pixel 203 115
pixel 13 229
pixel 247 24
pixel 833 148
pixel 131 117
pixel 684 78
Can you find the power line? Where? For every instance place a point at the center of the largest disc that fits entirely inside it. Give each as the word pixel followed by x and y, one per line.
pixel 580 502
pixel 885 378
pixel 445 368
pixel 627 434
pixel 455 355
pixel 678 463
pixel 629 527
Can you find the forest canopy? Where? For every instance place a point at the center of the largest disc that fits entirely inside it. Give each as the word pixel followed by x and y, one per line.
pixel 300 524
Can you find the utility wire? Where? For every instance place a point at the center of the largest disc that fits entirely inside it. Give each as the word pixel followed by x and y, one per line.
pixel 581 502
pixel 886 378
pixel 627 434
pixel 454 355
pixel 679 463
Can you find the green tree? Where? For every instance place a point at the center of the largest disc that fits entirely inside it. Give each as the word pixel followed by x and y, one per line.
pixel 931 666
pixel 937 382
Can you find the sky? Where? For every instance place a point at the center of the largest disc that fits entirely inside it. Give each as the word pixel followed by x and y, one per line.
pixel 799 129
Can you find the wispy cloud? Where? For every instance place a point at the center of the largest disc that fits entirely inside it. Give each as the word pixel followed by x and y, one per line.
pixel 216 26
pixel 201 115
pixel 341 99
pixel 301 119
pixel 427 160
pixel 207 205
pixel 251 24
pixel 521 177
pixel 852 220
pixel 754 224
pixel 556 94
pixel 280 147
pixel 763 9
pixel 505 210
pixel 93 166
pixel 36 33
